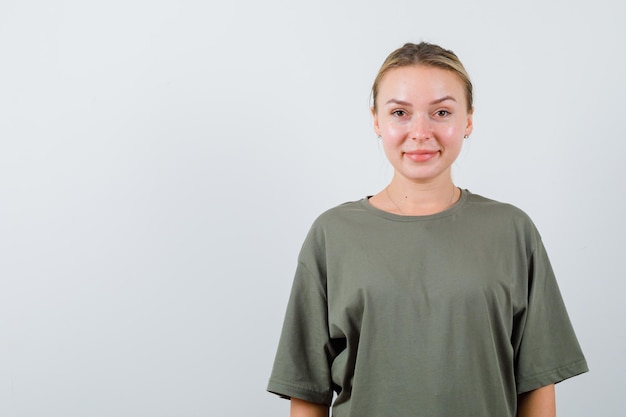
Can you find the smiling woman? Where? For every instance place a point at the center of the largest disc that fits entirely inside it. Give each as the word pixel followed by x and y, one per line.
pixel 424 299
pixel 422 122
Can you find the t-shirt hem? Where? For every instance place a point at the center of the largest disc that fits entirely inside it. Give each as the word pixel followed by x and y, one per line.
pixel 552 377
pixel 288 390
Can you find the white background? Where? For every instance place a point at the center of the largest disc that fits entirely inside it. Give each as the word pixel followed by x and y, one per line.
pixel 161 162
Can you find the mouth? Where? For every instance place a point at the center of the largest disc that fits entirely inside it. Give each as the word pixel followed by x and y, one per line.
pixel 421 156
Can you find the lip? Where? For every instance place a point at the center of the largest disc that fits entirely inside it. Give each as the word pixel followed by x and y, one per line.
pixel 422 155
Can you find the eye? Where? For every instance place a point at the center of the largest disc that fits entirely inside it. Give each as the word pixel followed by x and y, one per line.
pixel 399 113
pixel 442 113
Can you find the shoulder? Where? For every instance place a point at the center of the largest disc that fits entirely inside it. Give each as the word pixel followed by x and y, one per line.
pixel 496 214
pixel 492 207
pixel 338 220
pixel 332 224
pixel 338 215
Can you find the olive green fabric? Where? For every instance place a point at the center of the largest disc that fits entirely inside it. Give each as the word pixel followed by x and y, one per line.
pixel 451 314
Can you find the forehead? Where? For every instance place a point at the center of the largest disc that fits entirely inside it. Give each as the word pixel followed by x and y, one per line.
pixel 421 80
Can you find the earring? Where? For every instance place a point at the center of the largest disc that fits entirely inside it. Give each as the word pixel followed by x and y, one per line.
pixel 380 137
pixel 466 136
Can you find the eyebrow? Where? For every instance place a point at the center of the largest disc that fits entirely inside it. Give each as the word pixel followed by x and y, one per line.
pixel 442 99
pixel 406 103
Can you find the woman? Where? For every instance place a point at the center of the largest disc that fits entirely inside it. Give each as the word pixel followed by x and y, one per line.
pixel 424 299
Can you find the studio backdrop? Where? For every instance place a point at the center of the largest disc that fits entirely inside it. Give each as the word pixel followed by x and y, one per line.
pixel 162 161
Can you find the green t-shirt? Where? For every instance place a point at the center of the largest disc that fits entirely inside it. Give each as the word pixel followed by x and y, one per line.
pixel 451 314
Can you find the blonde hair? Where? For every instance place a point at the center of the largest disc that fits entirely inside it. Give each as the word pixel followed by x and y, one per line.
pixel 424 54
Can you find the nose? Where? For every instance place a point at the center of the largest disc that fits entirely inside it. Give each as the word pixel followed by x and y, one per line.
pixel 421 128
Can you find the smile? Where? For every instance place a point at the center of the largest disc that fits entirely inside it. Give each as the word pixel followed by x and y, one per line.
pixel 421 156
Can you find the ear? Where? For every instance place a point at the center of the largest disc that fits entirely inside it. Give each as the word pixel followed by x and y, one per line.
pixel 375 120
pixel 470 122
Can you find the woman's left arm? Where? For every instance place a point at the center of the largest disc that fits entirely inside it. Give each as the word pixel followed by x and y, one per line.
pixel 537 403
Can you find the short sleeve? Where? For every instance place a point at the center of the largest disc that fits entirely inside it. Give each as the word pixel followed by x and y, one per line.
pixel 549 351
pixel 302 365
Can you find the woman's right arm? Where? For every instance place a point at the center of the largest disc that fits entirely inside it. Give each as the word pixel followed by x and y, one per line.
pixel 301 408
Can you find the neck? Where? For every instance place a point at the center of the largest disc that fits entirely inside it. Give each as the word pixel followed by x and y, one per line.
pixel 414 199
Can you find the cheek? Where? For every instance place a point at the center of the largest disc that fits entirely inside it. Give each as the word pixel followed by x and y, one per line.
pixel 391 146
pixel 452 133
pixel 393 132
pixel 451 130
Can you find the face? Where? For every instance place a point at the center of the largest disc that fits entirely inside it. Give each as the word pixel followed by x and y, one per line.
pixel 422 118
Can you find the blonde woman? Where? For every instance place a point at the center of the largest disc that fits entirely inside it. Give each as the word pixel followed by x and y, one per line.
pixel 424 299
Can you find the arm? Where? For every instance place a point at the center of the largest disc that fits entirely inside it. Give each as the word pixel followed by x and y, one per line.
pixel 301 408
pixel 538 403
